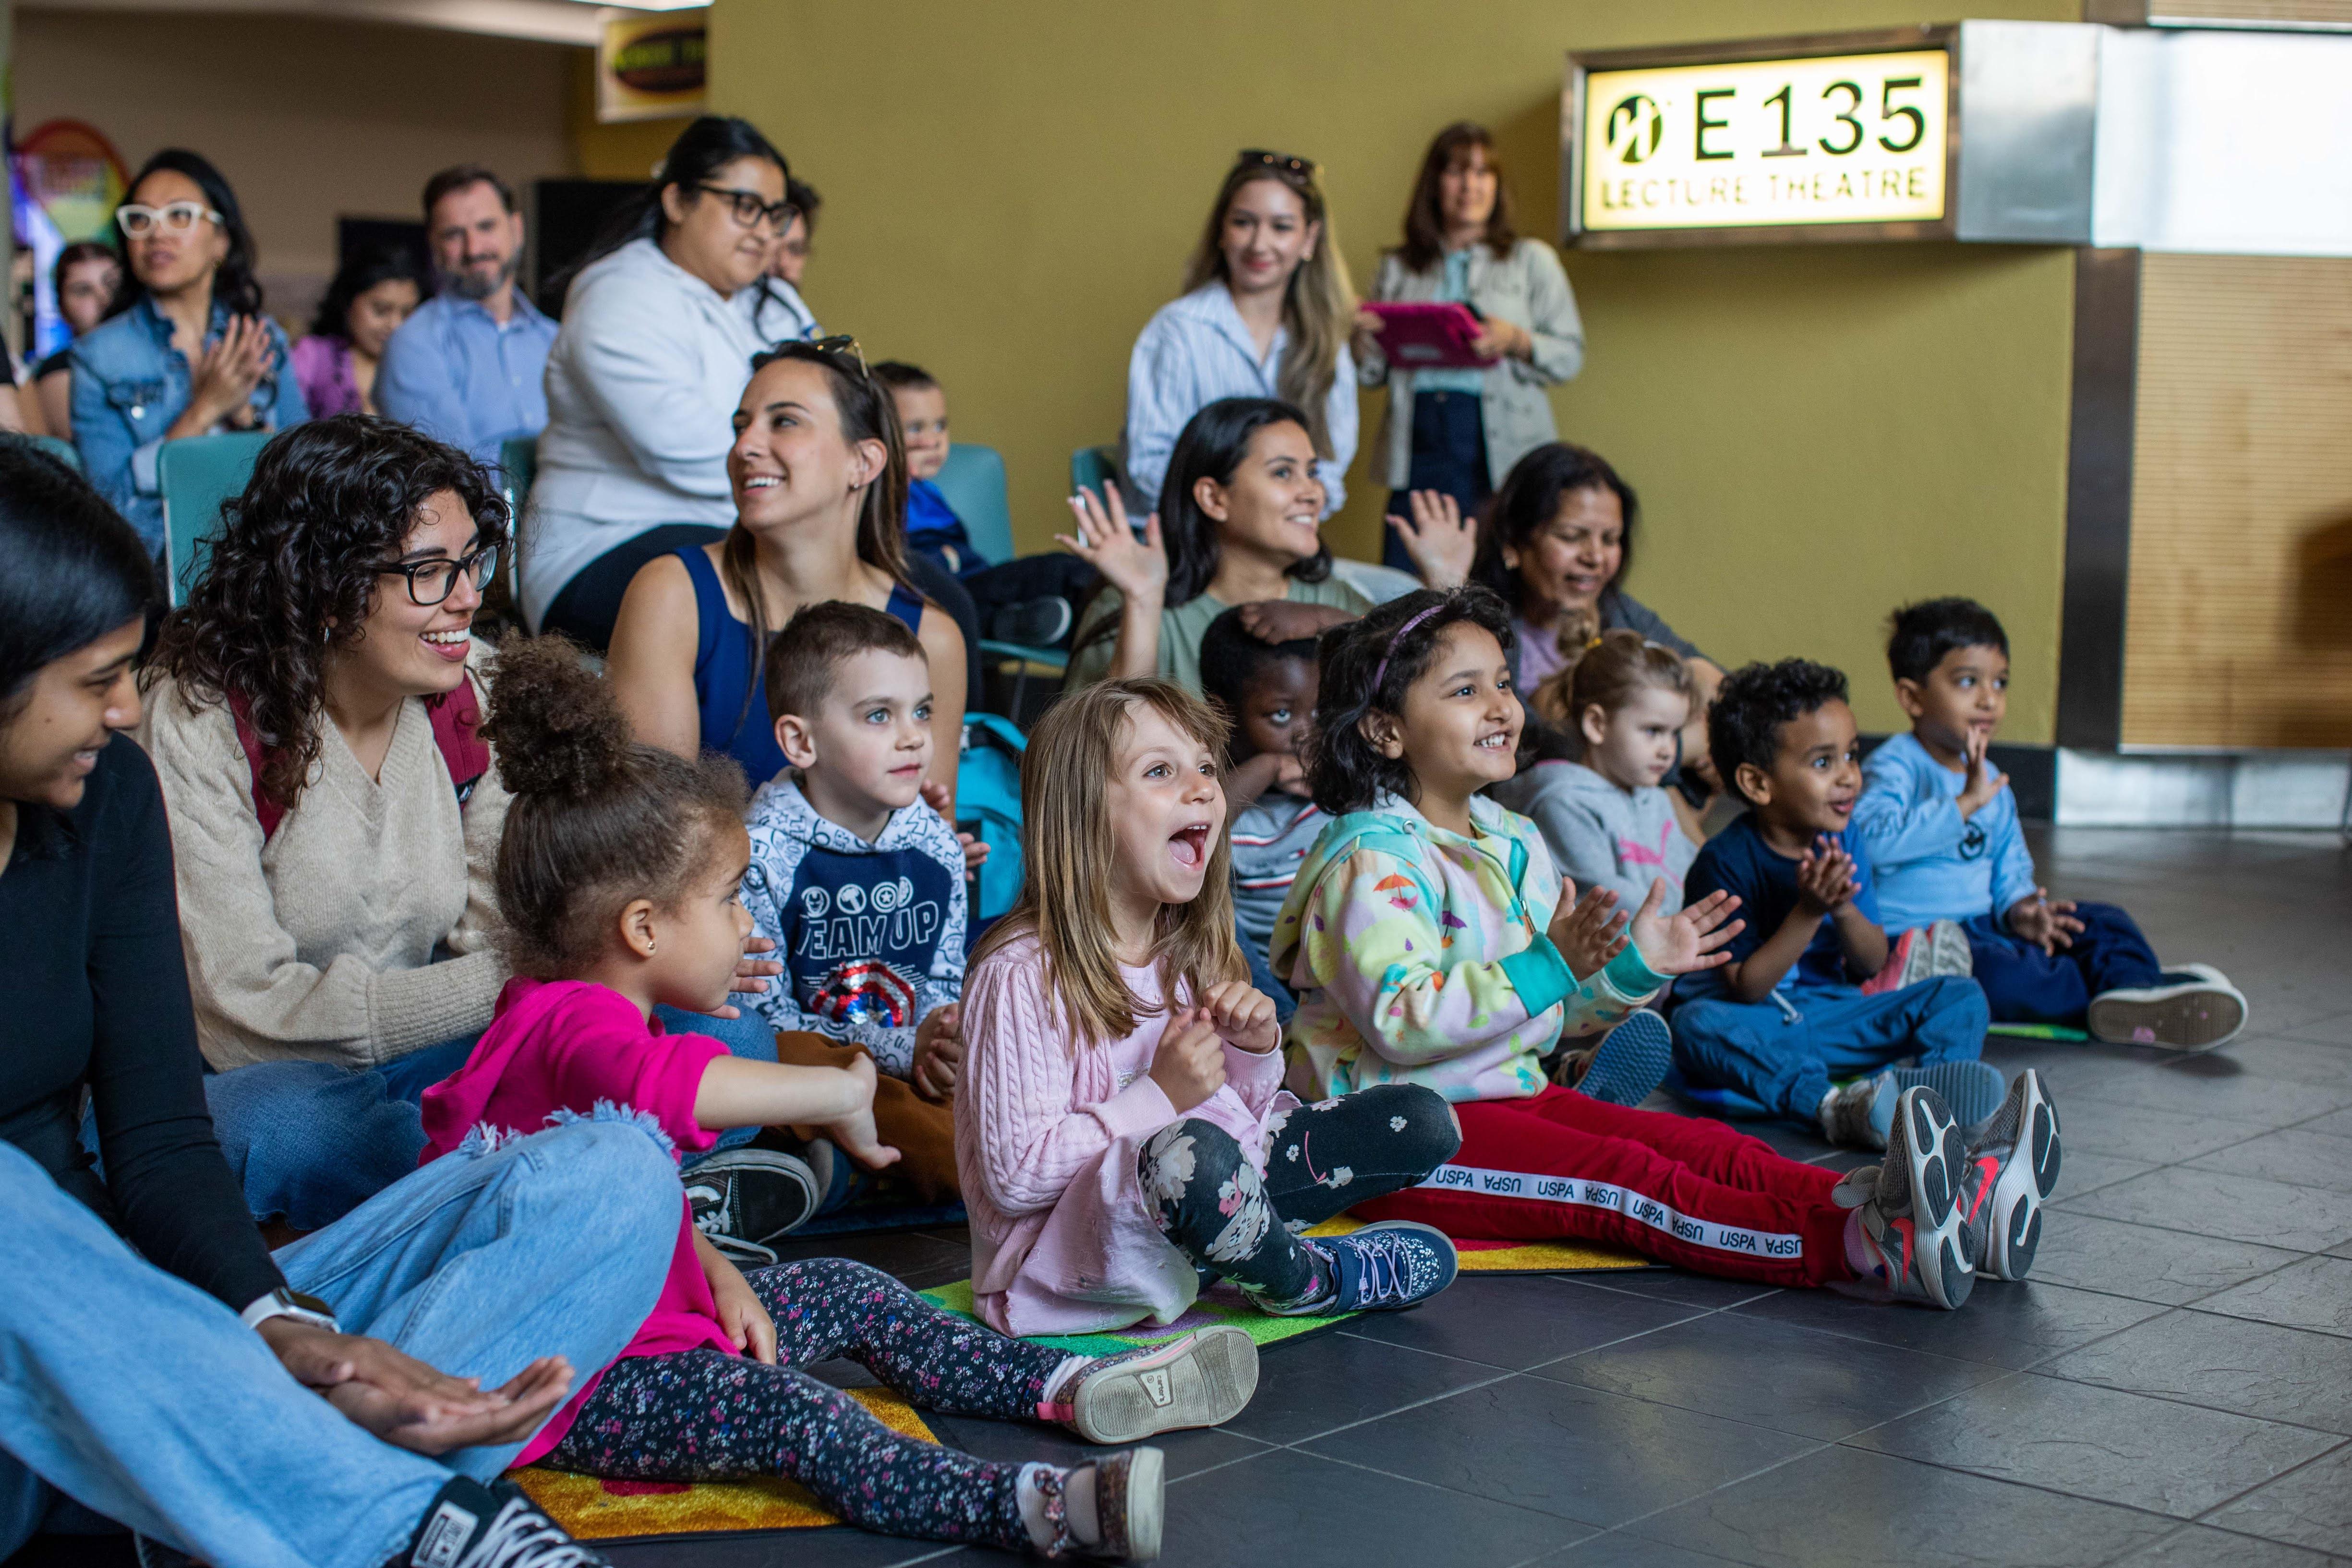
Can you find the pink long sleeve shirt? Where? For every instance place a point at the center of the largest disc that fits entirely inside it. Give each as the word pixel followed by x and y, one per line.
pixel 573 1046
pixel 1048 1131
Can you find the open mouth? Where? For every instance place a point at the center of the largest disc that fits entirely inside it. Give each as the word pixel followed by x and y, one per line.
pixel 1189 847
pixel 1500 740
pixel 450 645
pixel 763 481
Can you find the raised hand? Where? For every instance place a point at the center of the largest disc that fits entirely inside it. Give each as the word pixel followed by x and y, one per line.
pixel 1136 567
pixel 1981 786
pixel 1687 942
pixel 1190 1064
pixel 1243 1015
pixel 1587 932
pixel 1441 542
pixel 1825 878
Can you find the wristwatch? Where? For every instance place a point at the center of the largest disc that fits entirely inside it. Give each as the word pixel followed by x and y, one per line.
pixel 285 1304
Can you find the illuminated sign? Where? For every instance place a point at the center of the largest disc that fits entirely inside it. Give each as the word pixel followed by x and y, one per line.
pixel 651 65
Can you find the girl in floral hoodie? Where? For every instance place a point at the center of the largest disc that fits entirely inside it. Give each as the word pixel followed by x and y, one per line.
pixel 1430 942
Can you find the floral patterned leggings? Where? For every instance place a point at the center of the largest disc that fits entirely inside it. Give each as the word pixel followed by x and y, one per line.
pixel 705 1415
pixel 1215 1207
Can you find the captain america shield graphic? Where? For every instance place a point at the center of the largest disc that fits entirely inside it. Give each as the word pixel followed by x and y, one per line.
pixel 867 992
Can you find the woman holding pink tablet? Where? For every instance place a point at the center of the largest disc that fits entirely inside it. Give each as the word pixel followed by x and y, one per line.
pixel 1454 430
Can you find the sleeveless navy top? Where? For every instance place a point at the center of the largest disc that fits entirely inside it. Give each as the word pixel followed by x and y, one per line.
pixel 719 657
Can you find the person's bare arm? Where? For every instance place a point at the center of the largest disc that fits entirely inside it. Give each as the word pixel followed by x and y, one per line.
pixel 1751 979
pixel 651 665
pixel 942 642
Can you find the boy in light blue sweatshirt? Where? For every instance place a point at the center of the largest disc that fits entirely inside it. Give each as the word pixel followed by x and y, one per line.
pixel 1940 822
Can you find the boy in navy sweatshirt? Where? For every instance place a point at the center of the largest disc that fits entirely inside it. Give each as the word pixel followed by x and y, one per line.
pixel 857 880
pixel 1939 820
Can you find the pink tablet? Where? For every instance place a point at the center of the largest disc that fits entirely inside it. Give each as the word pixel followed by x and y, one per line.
pixel 1421 335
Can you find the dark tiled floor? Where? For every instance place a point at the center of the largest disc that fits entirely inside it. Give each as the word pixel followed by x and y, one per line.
pixel 2173 1390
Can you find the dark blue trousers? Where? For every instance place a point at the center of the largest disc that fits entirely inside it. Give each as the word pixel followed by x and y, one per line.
pixel 1784 1058
pixel 1449 454
pixel 2027 985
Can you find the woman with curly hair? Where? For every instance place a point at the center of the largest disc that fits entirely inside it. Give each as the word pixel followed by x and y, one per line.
pixel 335 817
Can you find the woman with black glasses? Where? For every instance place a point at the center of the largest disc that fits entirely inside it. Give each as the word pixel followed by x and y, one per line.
pixel 657 343
pixel 186 349
pixel 335 817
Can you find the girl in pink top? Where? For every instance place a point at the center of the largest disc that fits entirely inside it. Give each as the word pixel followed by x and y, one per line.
pixel 1121 1130
pixel 617 882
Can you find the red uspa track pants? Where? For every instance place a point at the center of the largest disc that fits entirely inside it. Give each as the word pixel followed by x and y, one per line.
pixel 1684 1190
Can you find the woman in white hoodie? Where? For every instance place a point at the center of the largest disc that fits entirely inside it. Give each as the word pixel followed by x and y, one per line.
pixel 656 345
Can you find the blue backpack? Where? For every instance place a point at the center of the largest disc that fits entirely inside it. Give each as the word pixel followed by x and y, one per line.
pixel 988 806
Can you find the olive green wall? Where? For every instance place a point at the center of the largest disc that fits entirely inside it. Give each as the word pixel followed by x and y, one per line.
pixel 1817 432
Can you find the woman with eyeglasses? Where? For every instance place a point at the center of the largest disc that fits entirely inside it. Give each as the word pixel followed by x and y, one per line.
pixel 1452 433
pixel 335 819
pixel 1267 311
pixel 657 343
pixel 186 349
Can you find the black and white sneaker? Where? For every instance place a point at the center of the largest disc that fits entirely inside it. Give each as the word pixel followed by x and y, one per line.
pixel 746 1200
pixel 2194 1009
pixel 2014 1171
pixel 470 1525
pixel 1912 1207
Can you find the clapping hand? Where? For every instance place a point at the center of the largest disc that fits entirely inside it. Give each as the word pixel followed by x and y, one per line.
pixel 1587 932
pixel 1242 1015
pixel 1825 878
pixel 1441 542
pixel 1190 1064
pixel 222 382
pixel 1138 568
pixel 1687 942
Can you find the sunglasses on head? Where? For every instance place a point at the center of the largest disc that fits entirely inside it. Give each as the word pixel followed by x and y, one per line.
pixel 838 344
pixel 1252 157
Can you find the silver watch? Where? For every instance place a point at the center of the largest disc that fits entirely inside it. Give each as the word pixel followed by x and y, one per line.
pixel 285 1304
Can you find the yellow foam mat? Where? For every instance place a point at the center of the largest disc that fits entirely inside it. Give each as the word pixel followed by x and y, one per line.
pixel 1520 1257
pixel 607 1510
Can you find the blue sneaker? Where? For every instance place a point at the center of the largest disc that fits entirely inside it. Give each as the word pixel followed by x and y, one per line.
pixel 1628 1064
pixel 1383 1267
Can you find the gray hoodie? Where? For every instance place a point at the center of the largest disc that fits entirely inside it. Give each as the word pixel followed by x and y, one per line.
pixel 1602 835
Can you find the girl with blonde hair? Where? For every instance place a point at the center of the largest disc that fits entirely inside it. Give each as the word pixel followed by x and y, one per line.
pixel 1267 311
pixel 1122 1129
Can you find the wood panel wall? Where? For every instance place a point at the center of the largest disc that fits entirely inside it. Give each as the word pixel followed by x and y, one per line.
pixel 2239 631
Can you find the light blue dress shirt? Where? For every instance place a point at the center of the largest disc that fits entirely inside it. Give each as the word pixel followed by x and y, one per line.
pixel 456 373
pixel 1198 349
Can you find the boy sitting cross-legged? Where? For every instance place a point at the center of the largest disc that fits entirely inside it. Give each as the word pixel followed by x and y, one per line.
pixel 1787 1015
pixel 1939 820
pixel 860 884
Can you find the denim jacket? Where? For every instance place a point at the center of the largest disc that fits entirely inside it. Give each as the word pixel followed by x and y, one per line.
pixel 130 383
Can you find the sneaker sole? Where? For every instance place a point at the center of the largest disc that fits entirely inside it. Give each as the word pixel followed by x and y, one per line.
pixel 1204 1379
pixel 2179 1018
pixel 1971 1091
pixel 2023 1185
pixel 1632 1061
pixel 1934 1157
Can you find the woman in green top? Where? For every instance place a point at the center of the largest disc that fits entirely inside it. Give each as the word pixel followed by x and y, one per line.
pixel 1243 526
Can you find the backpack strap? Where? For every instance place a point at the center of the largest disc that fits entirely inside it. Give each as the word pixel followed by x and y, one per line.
pixel 457 735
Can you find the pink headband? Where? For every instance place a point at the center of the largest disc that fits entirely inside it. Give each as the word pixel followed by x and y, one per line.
pixel 1381 673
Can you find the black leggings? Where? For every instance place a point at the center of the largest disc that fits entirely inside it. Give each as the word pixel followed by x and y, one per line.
pixel 1214 1208
pixel 704 1415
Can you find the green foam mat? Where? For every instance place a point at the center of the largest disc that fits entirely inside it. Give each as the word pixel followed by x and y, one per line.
pixel 1220 1303
pixel 2038 1032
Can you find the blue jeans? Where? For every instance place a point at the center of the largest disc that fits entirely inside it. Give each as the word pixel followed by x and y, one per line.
pixel 310 1142
pixel 135 1395
pixel 2027 985
pixel 1785 1057
pixel 1449 454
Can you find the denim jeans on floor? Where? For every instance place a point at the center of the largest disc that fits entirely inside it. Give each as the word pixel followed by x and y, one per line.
pixel 137 1395
pixel 312 1141
pixel 1786 1056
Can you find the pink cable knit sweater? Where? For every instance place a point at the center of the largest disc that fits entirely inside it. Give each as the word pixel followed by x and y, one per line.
pixel 1047 1136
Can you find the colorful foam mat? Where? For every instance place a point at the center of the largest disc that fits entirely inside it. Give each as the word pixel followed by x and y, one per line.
pixel 1220 1303
pixel 615 1510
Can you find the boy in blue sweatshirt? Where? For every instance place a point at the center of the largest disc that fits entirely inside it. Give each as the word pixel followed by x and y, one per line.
pixel 1787 1016
pixel 1941 823
pixel 858 881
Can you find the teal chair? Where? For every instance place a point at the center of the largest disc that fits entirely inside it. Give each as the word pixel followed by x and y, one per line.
pixel 973 483
pixel 517 471
pixel 63 451
pixel 198 474
pixel 1092 468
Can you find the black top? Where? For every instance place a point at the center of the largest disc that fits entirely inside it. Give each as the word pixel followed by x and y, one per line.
pixel 61 360
pixel 94 991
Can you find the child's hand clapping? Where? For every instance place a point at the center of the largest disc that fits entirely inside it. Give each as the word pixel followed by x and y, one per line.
pixel 855 1134
pixel 1243 1015
pixel 2048 923
pixel 1688 942
pixel 1825 878
pixel 1190 1065
pixel 1588 931
pixel 938 1052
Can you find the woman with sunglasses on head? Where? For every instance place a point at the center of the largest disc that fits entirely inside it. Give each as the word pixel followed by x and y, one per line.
pixel 1451 433
pixel 186 349
pixel 1265 313
pixel 656 343
pixel 335 819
